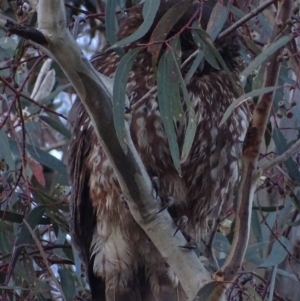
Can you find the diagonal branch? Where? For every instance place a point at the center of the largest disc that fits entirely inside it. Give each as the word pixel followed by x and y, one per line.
pixel 280 159
pixel 246 18
pixel 251 147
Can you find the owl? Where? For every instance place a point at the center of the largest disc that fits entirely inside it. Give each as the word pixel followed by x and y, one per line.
pixel 121 262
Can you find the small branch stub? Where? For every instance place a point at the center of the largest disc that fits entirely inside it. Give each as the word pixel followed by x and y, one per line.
pixel 28 33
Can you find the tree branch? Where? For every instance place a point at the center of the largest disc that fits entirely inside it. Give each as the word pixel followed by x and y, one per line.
pixel 280 159
pixel 251 147
pixel 246 18
pixel 25 32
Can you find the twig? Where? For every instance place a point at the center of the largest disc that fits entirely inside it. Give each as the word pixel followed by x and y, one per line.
pixel 25 32
pixel 42 252
pixel 280 159
pixel 246 18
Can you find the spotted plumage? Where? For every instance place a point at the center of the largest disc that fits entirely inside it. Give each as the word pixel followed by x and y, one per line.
pixel 122 263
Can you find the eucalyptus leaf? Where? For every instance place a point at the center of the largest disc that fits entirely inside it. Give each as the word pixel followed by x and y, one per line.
pixel 266 53
pixel 150 8
pixel 119 92
pixel 33 219
pixel 164 92
pixel 67 283
pixel 278 252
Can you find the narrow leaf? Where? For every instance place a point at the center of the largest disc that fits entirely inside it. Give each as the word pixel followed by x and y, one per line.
pixel 264 55
pixel 217 20
pixel 206 292
pixel 43 158
pixel 278 252
pixel 32 219
pixel 5 151
pixel 164 93
pixel 242 98
pixel 56 125
pixel 67 283
pixel 149 12
pixel 208 54
pixel 164 26
pixel 197 61
pixel 253 252
pixel 282 146
pixel 210 46
pixel 191 122
pixel 110 21
pixel 47 100
pixel 119 92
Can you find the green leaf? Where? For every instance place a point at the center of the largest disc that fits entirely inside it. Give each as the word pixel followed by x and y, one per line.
pixel 6 241
pixel 33 219
pixel 251 45
pixel 164 26
pixel 48 100
pixel 5 151
pixel 242 98
pixel 217 20
pixel 221 243
pixel 149 12
pixel 197 61
pixel 253 252
pixel 176 78
pixel 268 208
pixel 268 134
pixel 251 294
pixel 266 53
pixel 119 92
pixel 293 224
pixel 29 269
pixel 288 275
pixel 67 283
pixel 110 21
pixel 165 93
pixel 208 54
pixel 191 122
pixel 256 226
pixel 45 159
pixel 282 146
pixel 56 125
pixel 206 291
pixel 210 46
pixel 214 27
pixel 278 252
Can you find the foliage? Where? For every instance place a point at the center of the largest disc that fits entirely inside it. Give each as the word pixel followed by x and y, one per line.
pixel 38 261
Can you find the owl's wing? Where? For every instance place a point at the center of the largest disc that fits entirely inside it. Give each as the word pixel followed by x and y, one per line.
pixel 83 217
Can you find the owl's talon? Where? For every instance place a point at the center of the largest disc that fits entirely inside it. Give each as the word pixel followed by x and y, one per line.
pixel 156 185
pixel 181 223
pixel 124 202
pixel 168 203
pixel 189 246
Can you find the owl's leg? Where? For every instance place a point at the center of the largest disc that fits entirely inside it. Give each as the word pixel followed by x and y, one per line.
pixel 115 263
pixel 163 283
pixel 122 294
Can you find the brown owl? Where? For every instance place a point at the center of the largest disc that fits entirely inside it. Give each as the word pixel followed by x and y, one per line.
pixel 122 263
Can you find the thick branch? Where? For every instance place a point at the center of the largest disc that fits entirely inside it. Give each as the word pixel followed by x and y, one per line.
pixel 95 93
